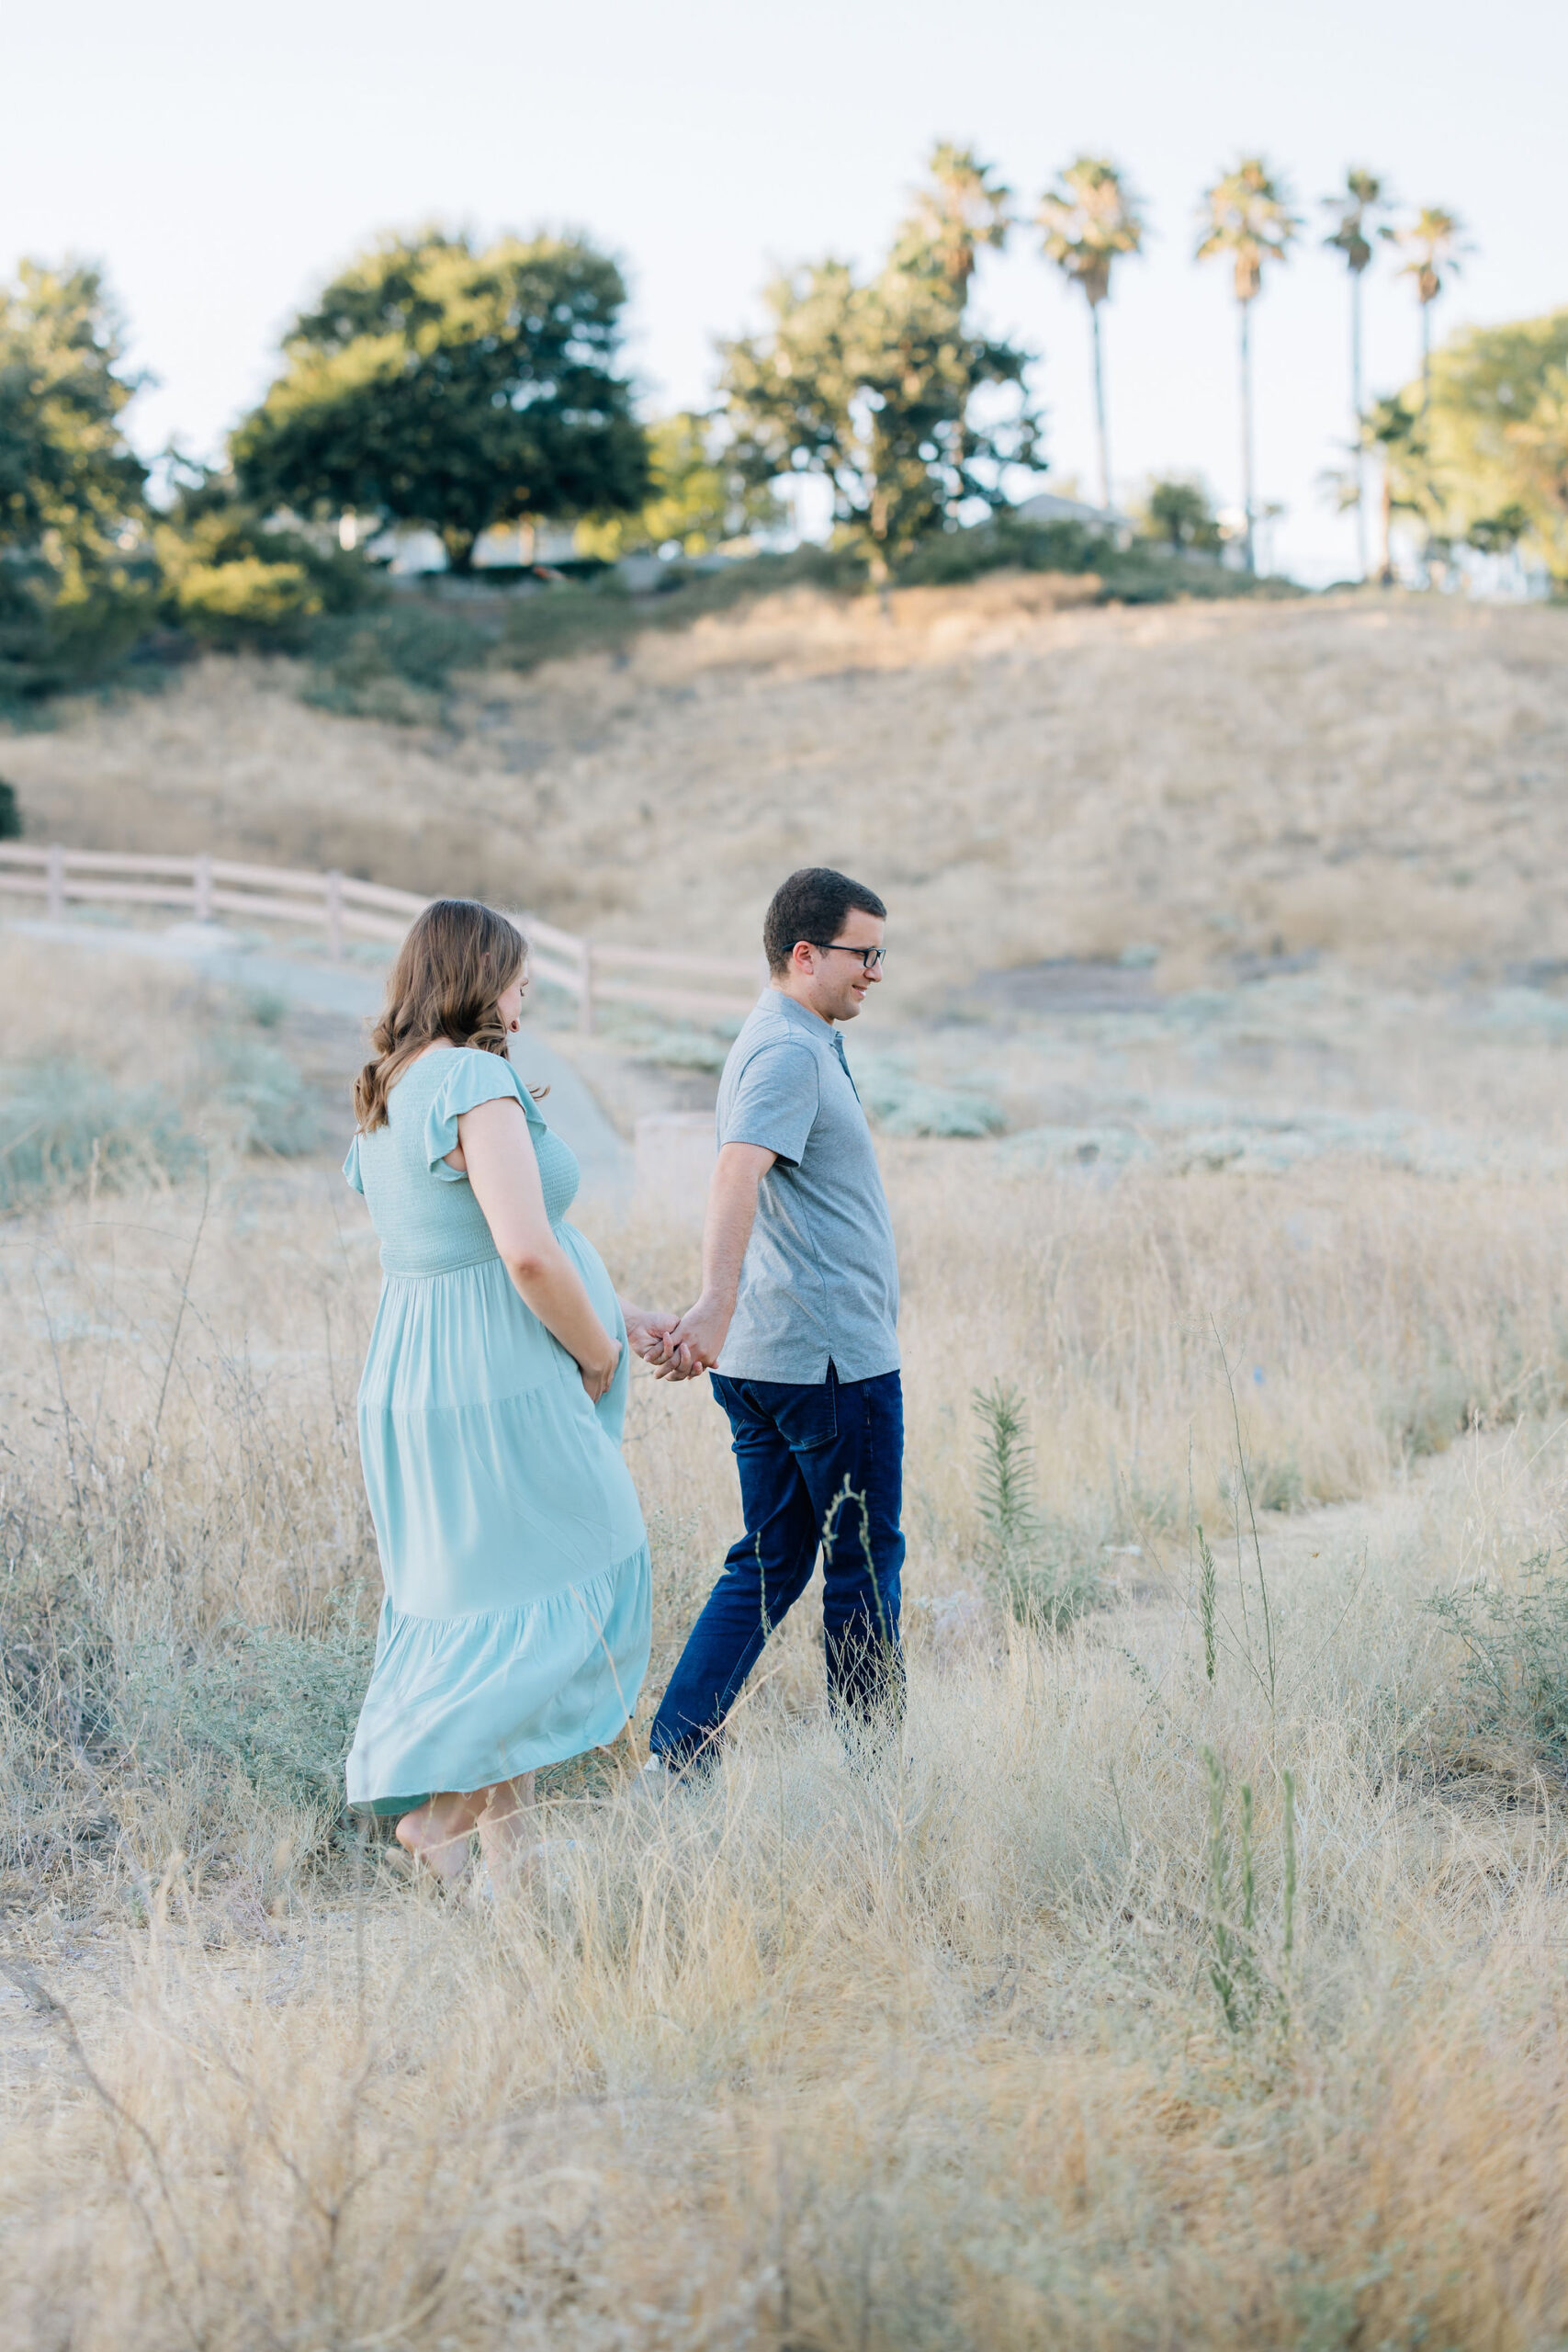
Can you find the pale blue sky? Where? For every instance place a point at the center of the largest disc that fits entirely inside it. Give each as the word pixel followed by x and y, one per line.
pixel 221 161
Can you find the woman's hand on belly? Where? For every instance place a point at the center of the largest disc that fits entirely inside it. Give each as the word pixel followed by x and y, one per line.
pixel 505 1174
pixel 598 1377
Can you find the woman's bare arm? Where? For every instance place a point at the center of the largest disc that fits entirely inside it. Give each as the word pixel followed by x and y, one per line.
pixel 494 1150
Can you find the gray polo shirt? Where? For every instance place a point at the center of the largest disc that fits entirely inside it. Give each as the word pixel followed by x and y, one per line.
pixel 820 1283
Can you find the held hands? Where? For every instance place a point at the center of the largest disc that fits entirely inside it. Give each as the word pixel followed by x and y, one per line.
pixel 679 1347
pixel 648 1334
pixel 700 1333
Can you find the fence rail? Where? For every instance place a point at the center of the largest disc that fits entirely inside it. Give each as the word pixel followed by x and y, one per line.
pixel 344 908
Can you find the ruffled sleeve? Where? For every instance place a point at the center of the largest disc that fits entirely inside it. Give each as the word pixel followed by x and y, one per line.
pixel 475 1077
pixel 351 1175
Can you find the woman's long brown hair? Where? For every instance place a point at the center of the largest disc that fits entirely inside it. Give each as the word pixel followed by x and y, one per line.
pixel 450 970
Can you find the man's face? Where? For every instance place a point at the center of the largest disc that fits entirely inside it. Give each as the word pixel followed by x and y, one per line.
pixel 835 980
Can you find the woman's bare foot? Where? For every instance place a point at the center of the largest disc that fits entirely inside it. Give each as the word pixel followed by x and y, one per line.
pixel 508 1826
pixel 437 1833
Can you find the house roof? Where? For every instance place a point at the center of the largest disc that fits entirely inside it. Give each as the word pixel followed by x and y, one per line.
pixel 1047 507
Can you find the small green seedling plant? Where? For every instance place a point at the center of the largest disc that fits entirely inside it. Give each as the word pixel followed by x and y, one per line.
pixel 1032 1571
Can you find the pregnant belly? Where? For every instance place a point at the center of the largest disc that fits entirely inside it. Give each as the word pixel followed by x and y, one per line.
pixel 596 1277
pixel 612 1407
pixel 464 1338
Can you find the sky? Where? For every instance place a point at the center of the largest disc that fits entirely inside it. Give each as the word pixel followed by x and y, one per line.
pixel 222 162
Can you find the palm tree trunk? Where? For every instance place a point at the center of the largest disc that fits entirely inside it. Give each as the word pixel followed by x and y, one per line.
pixel 1425 358
pixel 1356 404
pixel 1247 498
pixel 1100 410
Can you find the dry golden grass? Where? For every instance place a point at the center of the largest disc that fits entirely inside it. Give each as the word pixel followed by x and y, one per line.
pixel 1372 776
pixel 909 2050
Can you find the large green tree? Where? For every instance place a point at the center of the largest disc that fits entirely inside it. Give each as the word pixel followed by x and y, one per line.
pixel 1354 210
pixel 1247 220
pixel 1089 218
pixel 1487 459
pixel 875 384
pixel 75 577
pixel 434 383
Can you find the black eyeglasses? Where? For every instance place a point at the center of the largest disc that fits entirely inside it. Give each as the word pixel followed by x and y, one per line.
pixel 872 959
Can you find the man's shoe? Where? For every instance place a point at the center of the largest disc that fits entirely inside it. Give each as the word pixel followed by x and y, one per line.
pixel 655 1780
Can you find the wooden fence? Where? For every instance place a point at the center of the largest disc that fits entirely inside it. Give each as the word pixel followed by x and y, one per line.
pixel 342 908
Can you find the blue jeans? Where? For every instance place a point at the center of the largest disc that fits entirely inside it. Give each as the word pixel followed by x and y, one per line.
pixel 798 1449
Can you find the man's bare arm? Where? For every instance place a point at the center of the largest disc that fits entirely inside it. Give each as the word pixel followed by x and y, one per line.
pixel 726 1228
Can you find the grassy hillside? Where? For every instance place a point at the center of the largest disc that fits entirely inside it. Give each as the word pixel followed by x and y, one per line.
pixel 1021 774
pixel 1188 1972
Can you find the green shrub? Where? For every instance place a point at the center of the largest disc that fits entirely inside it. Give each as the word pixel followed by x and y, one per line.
pixel 249 597
pixel 274 1711
pixel 1425 1416
pixel 63 631
pixel 682 1049
pixel 233 579
pixel 266 1006
pixel 1178 512
pixel 278 1707
pixel 55 1117
pixel 1008 542
pixel 603 615
pixel 1279 1485
pixel 394 661
pixel 1514 1679
pixel 278 1110
pixel 901 1105
pixel 10 814
pixel 574 616
pixel 1140 574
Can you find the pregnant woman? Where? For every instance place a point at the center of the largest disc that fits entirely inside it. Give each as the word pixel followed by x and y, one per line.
pixel 515 1626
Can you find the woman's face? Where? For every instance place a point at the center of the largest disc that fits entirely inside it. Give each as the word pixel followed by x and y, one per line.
pixel 509 1003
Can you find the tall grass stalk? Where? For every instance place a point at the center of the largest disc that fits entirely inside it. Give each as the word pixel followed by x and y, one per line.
pixel 1208 1604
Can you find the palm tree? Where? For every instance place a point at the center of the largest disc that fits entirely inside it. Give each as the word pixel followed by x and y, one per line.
pixel 1089 217
pixel 1247 215
pixel 961 206
pixel 1395 432
pixel 1434 240
pixel 1354 209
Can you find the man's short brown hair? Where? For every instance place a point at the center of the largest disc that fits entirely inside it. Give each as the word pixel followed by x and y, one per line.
pixel 812 905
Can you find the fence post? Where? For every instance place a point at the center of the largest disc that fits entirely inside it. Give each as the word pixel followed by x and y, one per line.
pixel 54 883
pixel 334 913
pixel 585 1001
pixel 203 890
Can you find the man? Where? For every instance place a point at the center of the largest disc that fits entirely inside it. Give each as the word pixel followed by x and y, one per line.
pixel 797 1323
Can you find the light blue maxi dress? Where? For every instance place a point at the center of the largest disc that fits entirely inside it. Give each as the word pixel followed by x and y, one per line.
pixel 515 1626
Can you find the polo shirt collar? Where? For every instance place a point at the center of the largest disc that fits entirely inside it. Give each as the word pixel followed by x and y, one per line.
pixel 812 1023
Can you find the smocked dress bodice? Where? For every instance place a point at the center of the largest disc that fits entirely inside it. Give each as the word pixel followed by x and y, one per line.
pixel 424 1212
